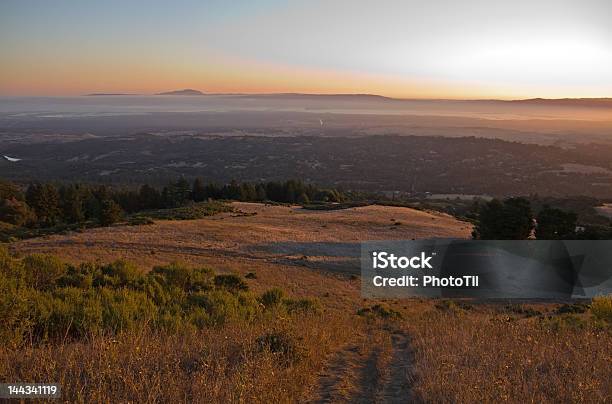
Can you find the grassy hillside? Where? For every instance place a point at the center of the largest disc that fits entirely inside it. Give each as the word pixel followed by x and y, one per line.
pixel 265 308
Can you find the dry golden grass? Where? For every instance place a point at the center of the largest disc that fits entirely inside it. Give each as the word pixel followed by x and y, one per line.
pixel 431 354
pixel 489 355
pixel 238 236
pixel 217 365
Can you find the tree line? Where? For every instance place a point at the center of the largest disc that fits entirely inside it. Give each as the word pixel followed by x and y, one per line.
pixel 514 219
pixel 46 205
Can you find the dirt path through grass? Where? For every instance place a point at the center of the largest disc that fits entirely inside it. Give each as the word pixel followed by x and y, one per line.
pixel 377 367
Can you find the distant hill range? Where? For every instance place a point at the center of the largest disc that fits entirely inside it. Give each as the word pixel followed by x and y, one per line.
pixel 570 102
pixel 106 94
pixel 551 102
pixel 187 91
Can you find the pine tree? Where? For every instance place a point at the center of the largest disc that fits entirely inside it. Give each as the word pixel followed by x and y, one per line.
pixel 198 191
pixel 110 212
pixel 261 193
pixel 44 200
pixel 149 198
pixel 183 191
pixel 72 204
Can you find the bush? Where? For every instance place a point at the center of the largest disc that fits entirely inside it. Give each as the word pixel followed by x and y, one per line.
pixel 42 271
pixel 67 312
pixel 522 310
pixel 121 273
pixel 140 221
pixel 42 299
pixel 222 306
pixel 302 306
pixel 379 311
pixel 564 321
pixel 451 305
pixel 577 308
pixel 283 345
pixel 187 279
pixel 601 308
pixel 272 298
pixel 124 309
pixel 231 283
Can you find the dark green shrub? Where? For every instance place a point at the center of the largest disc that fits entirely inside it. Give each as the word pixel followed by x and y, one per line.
pixel 223 306
pixel 188 279
pixel 232 283
pixel 251 275
pixel 81 276
pixel 272 298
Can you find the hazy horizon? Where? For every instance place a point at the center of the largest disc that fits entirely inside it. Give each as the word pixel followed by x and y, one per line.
pixel 287 93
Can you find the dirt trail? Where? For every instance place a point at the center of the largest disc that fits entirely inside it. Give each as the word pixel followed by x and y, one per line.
pixel 397 385
pixel 375 369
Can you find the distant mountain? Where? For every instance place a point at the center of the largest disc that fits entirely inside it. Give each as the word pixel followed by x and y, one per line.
pixel 106 94
pixel 187 91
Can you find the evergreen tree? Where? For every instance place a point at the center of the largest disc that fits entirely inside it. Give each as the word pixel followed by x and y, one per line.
pixel 128 200
pixel 260 192
pixel 183 191
pixel 44 200
pixel 149 198
pixel 275 191
pixel 510 219
pixel 198 191
pixel 248 192
pixel 555 224
pixel 232 191
pixel 213 191
pixel 110 212
pixel 72 204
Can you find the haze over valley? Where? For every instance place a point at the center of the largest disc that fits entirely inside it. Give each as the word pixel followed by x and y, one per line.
pixel 358 142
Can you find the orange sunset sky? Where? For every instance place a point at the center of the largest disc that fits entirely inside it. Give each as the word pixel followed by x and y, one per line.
pixel 406 49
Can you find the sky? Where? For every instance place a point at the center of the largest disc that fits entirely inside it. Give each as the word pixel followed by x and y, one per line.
pixel 398 48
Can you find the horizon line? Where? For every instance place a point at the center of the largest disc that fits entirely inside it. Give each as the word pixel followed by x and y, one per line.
pixel 120 94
